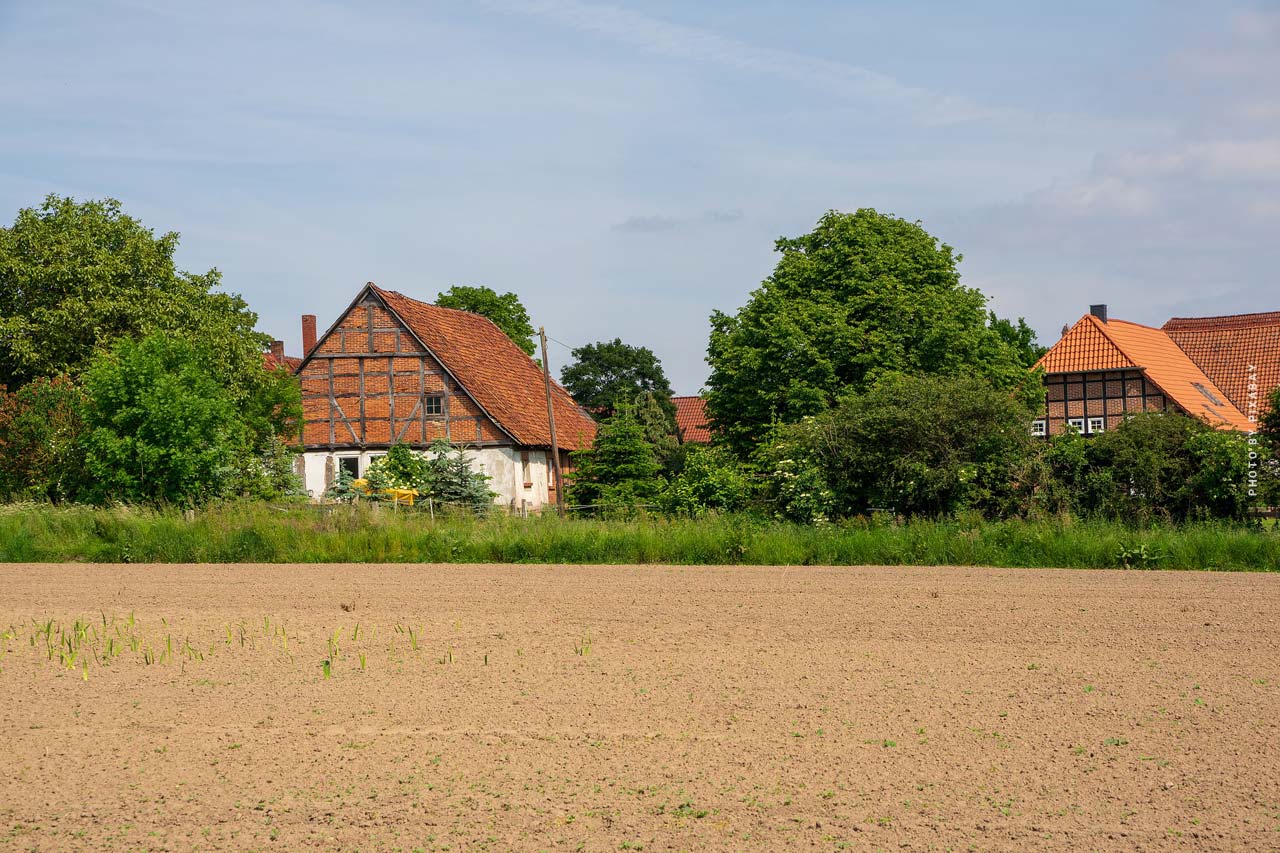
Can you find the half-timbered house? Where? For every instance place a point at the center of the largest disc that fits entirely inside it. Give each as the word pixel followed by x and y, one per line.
pixel 393 370
pixel 1103 370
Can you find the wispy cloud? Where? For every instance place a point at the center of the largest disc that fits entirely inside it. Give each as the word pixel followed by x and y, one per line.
pixel 659 223
pixel 692 43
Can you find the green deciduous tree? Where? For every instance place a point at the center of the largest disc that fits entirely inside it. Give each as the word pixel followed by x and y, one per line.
pixel 76 277
pixel 505 310
pixel 607 373
pixel 163 427
pixel 1020 337
pixel 861 296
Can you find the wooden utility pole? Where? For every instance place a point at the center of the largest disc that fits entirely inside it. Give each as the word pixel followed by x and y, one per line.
pixel 551 420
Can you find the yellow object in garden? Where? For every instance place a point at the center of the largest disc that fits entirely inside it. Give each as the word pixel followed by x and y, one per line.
pixel 398 496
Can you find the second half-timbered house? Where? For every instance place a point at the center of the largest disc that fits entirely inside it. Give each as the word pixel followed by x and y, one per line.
pixel 394 370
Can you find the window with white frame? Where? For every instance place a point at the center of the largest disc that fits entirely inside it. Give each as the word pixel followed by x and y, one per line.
pixel 1097 425
pixel 350 464
pixel 1076 424
pixel 1039 428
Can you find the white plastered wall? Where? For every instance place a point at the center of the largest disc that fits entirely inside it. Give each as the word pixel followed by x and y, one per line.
pixel 504 465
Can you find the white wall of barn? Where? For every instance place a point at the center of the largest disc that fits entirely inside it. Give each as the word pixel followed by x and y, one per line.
pixel 504 465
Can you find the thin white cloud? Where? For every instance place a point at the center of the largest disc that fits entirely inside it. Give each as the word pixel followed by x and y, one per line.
pixel 684 42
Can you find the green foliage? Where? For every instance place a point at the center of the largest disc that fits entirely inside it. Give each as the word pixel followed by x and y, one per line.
pixel 659 424
pixel 1021 339
pixel 607 373
pixel 162 427
pixel 443 473
pixel 1154 466
pixel 41 426
pixel 621 469
pixel 371 533
pixel 710 480
pixel 861 296
pixel 505 310
pixel 1269 421
pixel 914 445
pixel 76 277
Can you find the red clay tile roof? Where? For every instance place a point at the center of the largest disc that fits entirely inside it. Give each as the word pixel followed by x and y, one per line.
pixel 497 374
pixel 691 420
pixel 1117 344
pixel 1224 347
pixel 292 362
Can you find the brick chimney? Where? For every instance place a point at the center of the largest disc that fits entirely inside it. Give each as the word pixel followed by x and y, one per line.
pixel 277 350
pixel 1099 311
pixel 308 334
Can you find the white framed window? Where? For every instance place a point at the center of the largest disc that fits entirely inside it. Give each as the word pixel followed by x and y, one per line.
pixel 350 464
pixel 1039 428
pixel 1097 425
pixel 1076 424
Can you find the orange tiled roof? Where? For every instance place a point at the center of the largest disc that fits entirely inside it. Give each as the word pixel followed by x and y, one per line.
pixel 691 420
pixel 1118 344
pixel 1085 347
pixel 1225 347
pixel 497 374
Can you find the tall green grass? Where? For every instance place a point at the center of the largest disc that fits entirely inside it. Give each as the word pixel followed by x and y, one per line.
pixel 364 533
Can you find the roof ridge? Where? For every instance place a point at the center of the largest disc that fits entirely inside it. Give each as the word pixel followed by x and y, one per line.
pixel 1101 325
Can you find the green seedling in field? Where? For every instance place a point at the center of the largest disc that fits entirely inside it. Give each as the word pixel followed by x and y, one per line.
pixel 362 661
pixel 413 639
pixel 583 647
pixel 327 667
pixel 355 632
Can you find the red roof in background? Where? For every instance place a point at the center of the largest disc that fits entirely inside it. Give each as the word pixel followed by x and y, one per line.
pixel 1092 345
pixel 497 374
pixel 289 361
pixel 1225 347
pixel 691 420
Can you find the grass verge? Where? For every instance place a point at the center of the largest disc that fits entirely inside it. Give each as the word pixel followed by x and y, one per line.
pixel 309 534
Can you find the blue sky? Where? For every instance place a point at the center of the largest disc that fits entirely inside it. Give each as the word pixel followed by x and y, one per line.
pixel 625 167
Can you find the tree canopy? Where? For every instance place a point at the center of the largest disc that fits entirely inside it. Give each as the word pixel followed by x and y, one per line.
pixel 863 295
pixel 505 310
pixel 77 276
pixel 607 373
pixel 162 427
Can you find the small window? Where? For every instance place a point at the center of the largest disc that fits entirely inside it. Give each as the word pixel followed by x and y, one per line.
pixel 1076 424
pixel 350 464
pixel 1097 425
pixel 1039 428
pixel 434 404
pixel 373 457
pixel 525 471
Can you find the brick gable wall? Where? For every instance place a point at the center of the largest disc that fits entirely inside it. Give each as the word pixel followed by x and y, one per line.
pixel 369 383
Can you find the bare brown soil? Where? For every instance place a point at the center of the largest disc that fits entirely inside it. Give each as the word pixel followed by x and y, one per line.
pixel 654 708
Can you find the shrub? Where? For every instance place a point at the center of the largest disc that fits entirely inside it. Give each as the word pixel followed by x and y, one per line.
pixel 917 445
pixel 41 426
pixel 442 474
pixel 712 480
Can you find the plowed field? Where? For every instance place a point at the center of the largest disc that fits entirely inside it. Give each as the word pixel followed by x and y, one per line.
pixel 628 708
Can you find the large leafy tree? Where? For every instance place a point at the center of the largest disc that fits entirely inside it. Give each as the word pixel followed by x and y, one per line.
pixel 861 296
pixel 505 310
pixel 77 276
pixel 162 427
pixel 607 373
